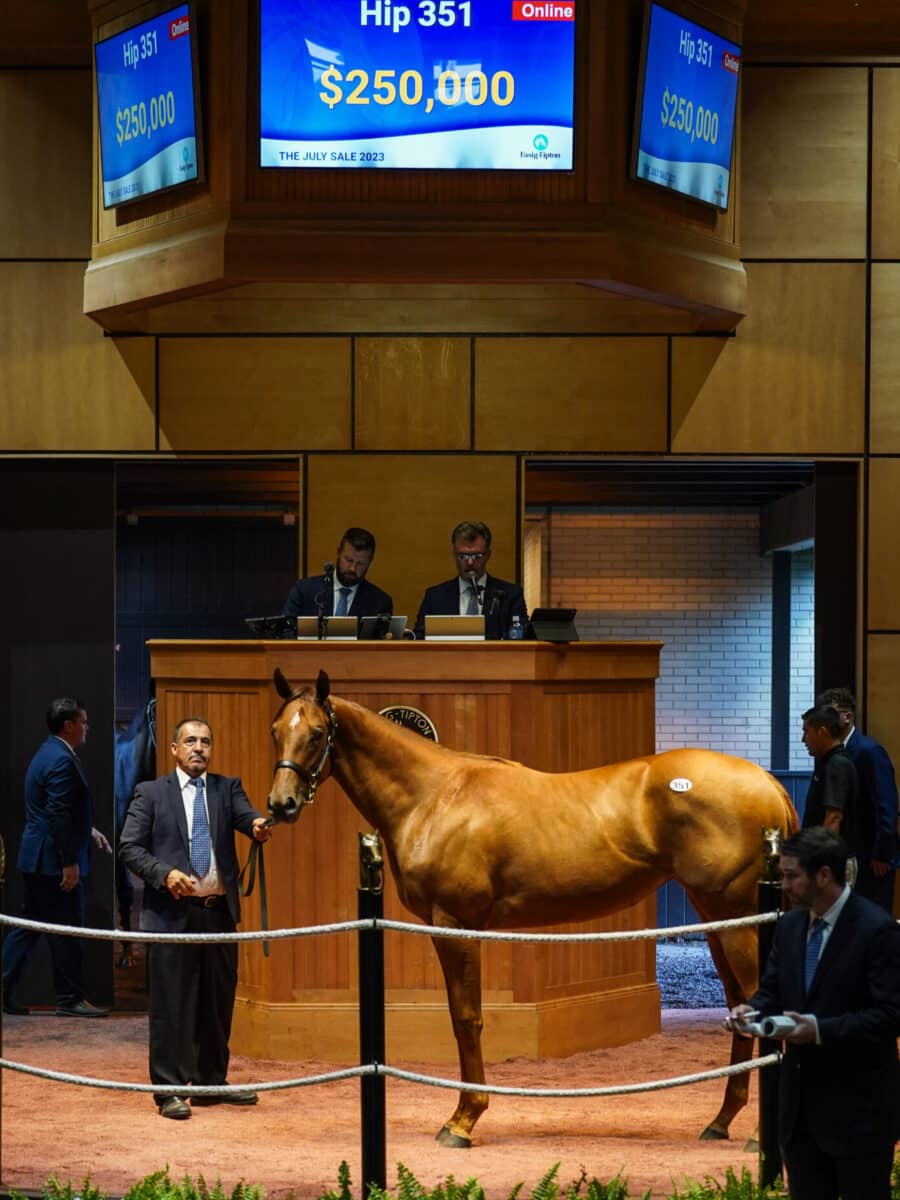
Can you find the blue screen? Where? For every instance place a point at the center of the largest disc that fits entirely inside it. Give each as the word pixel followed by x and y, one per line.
pixel 688 108
pixel 145 90
pixel 479 84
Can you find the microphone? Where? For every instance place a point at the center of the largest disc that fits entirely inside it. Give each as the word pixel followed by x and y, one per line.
pixel 328 570
pixel 321 599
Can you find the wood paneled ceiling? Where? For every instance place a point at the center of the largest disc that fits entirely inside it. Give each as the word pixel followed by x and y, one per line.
pixel 58 32
pixel 651 483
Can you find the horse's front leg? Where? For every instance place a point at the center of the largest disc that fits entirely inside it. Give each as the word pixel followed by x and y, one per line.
pixel 734 954
pixel 461 963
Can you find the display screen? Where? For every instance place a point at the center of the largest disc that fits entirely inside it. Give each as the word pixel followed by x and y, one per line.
pixel 441 84
pixel 149 136
pixel 684 125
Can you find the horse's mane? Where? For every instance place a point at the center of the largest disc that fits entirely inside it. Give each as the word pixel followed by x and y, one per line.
pixel 415 739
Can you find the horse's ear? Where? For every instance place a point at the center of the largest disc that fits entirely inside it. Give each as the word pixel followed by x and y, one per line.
pixel 323 687
pixel 282 687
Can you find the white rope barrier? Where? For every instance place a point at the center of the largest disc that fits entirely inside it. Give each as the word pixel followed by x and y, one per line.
pixel 628 935
pixel 183 1089
pixel 621 1089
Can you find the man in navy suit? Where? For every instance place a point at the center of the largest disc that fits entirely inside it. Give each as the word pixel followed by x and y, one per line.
pixel 178 837
pixel 53 858
pixel 474 592
pixel 877 802
pixel 834 969
pixel 346 592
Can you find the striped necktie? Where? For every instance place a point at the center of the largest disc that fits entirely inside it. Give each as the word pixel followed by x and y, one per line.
pixel 201 848
pixel 813 950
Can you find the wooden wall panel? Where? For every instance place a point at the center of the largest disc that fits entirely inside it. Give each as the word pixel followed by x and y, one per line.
pixel 882 711
pixel 604 394
pixel 884 410
pixel 411 503
pixel 885 160
pixel 884 564
pixel 45 146
pixel 254 394
pixel 63 385
pixel 413 393
pixel 803 180
pixel 792 379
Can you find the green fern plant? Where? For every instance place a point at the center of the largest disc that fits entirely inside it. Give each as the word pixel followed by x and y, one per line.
pixel 734 1188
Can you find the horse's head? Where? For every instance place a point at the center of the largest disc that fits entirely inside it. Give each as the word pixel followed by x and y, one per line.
pixel 303 731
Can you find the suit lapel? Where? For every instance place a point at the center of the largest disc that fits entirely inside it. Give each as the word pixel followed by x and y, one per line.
pixel 214 807
pixel 177 802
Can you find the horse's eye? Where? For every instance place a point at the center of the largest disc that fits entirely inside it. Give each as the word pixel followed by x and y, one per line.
pixel 315 736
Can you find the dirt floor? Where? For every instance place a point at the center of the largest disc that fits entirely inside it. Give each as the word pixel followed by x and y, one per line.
pixel 294 1140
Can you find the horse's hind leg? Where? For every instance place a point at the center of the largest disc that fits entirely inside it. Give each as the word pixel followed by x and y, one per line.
pixel 735 956
pixel 461 963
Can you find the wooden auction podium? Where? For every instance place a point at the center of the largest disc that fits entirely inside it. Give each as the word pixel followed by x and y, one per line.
pixel 554 707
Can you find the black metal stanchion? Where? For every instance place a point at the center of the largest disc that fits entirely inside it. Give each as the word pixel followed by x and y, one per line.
pixel 371 1011
pixel 2 940
pixel 769 900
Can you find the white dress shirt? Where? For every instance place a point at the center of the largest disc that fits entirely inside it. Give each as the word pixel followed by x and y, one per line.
pixel 209 885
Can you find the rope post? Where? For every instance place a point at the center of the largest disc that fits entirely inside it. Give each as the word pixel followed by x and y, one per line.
pixel 370 898
pixel 769 900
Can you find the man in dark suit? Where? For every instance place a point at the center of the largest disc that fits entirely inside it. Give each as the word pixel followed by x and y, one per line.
pixel 877 802
pixel 178 837
pixel 346 592
pixel 53 858
pixel 833 796
pixel 474 592
pixel 835 970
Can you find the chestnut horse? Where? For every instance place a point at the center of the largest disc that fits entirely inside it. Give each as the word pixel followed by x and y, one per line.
pixel 477 842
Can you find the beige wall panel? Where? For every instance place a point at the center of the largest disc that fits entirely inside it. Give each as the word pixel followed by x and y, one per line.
pixel 791 381
pixel 884 388
pixel 563 394
pixel 411 503
pixel 884 563
pixel 45 146
pixel 413 393
pixel 254 394
pixel 63 385
pixel 885 164
pixel 803 175
pixel 882 711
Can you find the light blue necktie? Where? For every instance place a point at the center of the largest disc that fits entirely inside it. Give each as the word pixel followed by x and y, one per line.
pixel 341 609
pixel 813 949
pixel 201 849
pixel 472 602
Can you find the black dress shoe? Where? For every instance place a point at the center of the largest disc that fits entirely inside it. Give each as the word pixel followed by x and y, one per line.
pixel 175 1109
pixel 242 1098
pixel 81 1008
pixel 15 1010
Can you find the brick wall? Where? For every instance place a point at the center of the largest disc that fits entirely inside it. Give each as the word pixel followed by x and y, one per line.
pixel 695 580
pixel 802 652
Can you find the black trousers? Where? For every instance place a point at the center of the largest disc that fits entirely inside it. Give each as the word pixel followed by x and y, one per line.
pixel 191 1000
pixel 815 1175
pixel 46 901
pixel 879 890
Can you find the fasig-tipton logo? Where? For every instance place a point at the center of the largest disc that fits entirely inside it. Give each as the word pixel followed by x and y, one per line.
pixel 411 718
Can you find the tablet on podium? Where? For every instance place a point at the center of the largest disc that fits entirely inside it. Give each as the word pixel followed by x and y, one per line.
pixel 333 628
pixel 454 629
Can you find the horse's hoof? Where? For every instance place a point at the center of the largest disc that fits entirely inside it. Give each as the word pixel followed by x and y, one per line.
pixel 455 1141
pixel 712 1133
pixel 751 1146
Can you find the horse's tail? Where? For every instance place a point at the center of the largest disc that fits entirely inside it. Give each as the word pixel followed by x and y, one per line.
pixel 791 820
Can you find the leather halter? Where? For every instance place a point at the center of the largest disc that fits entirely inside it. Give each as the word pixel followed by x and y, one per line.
pixel 311 778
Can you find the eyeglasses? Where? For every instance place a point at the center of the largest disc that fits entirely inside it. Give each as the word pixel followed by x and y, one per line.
pixel 463 557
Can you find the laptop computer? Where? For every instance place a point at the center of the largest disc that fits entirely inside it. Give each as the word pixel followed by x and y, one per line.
pixel 271 627
pixel 333 628
pixel 381 627
pixel 454 629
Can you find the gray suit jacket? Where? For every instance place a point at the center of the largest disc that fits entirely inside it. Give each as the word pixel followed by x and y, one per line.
pixel 154 839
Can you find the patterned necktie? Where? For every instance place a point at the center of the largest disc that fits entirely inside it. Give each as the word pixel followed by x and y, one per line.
pixel 341 609
pixel 813 949
pixel 472 602
pixel 201 850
